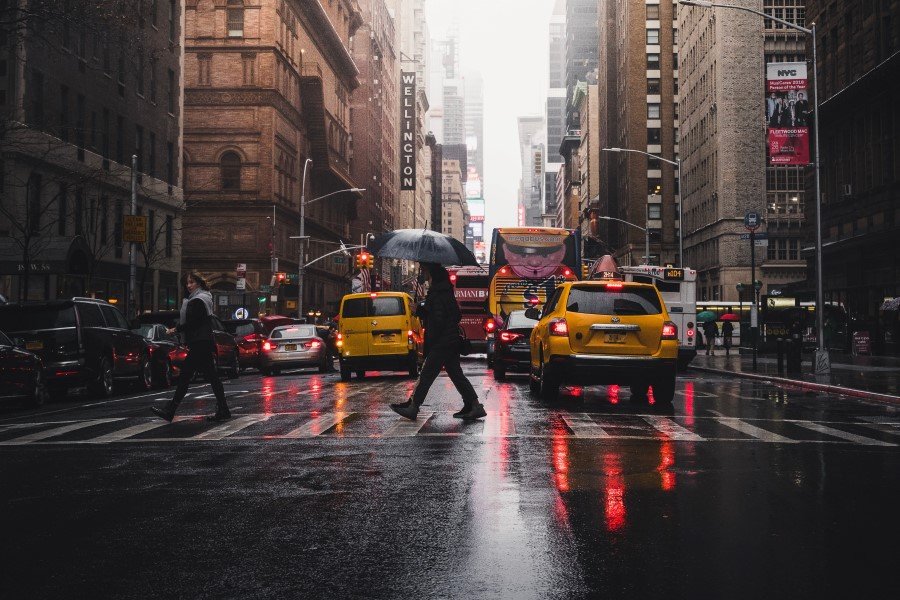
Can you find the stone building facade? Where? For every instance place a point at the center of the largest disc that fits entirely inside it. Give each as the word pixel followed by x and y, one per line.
pixel 455 212
pixel 83 92
pixel 267 101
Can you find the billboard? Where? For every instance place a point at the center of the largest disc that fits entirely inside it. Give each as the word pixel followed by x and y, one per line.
pixel 476 210
pixel 408 130
pixel 788 113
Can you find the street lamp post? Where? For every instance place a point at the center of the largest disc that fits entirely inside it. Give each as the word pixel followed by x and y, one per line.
pixel 677 164
pixel 823 362
pixel 644 229
pixel 740 290
pixel 304 238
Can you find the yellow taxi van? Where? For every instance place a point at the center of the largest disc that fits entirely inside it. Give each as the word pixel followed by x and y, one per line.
pixel 378 331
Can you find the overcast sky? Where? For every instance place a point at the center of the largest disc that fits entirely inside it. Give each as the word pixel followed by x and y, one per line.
pixel 507 40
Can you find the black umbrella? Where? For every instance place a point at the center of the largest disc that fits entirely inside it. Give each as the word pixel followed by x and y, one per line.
pixel 422 245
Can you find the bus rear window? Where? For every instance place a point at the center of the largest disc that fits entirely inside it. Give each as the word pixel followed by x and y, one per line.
pixel 624 302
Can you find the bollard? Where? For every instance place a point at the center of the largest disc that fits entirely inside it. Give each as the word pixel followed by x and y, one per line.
pixel 780 356
pixel 794 357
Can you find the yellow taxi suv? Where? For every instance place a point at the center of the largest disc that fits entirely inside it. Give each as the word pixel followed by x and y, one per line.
pixel 378 331
pixel 601 333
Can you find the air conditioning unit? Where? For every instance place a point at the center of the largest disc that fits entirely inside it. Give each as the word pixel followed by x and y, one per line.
pixel 848 190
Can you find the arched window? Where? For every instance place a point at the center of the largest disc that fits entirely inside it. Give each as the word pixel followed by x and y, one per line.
pixel 230 165
pixel 235 18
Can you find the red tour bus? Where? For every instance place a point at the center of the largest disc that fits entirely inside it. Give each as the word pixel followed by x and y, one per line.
pixel 470 285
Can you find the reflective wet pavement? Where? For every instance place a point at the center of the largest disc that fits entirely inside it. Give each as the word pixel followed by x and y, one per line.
pixel 316 490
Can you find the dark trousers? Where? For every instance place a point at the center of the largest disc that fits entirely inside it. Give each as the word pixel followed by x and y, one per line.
pixel 443 356
pixel 200 359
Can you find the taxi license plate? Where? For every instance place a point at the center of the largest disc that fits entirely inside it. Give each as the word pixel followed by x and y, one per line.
pixel 35 345
pixel 290 347
pixel 387 338
pixel 614 338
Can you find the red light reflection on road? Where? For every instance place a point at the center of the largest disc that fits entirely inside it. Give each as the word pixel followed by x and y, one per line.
pixel 666 460
pixel 614 491
pixel 612 394
pixel 268 394
pixel 689 402
pixel 560 458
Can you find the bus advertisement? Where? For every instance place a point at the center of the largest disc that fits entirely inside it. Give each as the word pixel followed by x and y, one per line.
pixel 527 263
pixel 470 286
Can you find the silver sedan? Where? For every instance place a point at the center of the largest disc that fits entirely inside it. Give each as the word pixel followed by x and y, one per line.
pixel 292 346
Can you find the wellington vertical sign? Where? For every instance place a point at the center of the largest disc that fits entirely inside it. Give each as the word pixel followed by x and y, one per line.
pixel 408 130
pixel 788 113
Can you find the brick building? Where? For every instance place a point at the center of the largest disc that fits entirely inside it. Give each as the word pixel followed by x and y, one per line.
pixel 455 212
pixel 267 99
pixel 88 87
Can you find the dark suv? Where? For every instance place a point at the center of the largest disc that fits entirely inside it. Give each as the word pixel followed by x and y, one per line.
pixel 227 357
pixel 81 341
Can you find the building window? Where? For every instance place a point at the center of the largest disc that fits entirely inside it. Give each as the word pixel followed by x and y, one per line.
pixel 153 81
pixel 62 203
pixel 654 135
pixel 235 18
pixel 653 62
pixel 653 110
pixel 171 92
pixel 653 37
pixel 653 12
pixel 230 166
pixel 34 204
pixel 172 21
pixel 64 113
pixel 654 186
pixel 152 161
pixel 140 74
pixel 204 63
pixel 117 227
pixel 151 230
pixel 37 99
pixel 120 140
pixel 79 125
pixel 170 227
pixel 653 86
pixel 104 219
pixel 249 64
pixel 79 210
pixel 170 165
pixel 654 211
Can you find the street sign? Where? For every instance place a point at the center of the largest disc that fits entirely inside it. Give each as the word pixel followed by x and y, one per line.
pixel 241 270
pixel 752 220
pixel 134 229
pixel 340 260
pixel 241 284
pixel 265 288
pixel 241 313
pixel 759 239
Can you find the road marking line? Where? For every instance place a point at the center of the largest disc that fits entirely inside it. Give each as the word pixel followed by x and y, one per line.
pixel 844 435
pixel 233 426
pixel 497 424
pixel 407 428
pixel 892 421
pixel 584 426
pixel 49 433
pixel 317 425
pixel 126 433
pixel 753 431
pixel 672 429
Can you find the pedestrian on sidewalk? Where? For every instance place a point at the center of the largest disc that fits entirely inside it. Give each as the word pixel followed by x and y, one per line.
pixel 727 330
pixel 710 331
pixel 442 346
pixel 195 323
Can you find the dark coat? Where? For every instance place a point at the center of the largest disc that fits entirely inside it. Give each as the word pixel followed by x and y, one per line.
pixel 441 316
pixel 197 326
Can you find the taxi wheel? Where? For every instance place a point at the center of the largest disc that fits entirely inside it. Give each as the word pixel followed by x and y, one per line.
pixel 345 373
pixel 549 385
pixel 639 393
pixel 664 390
pixel 533 384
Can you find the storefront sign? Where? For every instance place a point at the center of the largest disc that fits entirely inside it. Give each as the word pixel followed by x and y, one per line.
pixel 788 113
pixel 408 130
pixel 862 343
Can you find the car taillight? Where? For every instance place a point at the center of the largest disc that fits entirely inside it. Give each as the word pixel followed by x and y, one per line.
pixel 314 344
pixel 489 325
pixel 559 327
pixel 669 331
pixel 534 301
pixel 339 340
pixel 267 345
pixel 251 338
pixel 508 336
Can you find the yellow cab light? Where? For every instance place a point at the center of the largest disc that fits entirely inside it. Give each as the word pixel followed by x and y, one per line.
pixel 669 331
pixel 373 295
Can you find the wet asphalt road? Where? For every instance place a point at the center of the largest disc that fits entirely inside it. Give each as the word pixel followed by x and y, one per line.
pixel 316 489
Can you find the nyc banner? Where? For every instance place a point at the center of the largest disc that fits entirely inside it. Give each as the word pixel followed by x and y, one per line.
pixel 788 113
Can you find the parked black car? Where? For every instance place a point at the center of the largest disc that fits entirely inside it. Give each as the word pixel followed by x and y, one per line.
pixel 167 353
pixel 82 341
pixel 21 373
pixel 227 355
pixel 249 335
pixel 512 348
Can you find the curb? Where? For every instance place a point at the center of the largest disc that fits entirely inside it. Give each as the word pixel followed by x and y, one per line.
pixel 806 385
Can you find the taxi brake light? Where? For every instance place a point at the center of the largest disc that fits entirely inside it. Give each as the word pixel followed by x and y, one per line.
pixel 614 286
pixel 373 295
pixel 559 327
pixel 669 331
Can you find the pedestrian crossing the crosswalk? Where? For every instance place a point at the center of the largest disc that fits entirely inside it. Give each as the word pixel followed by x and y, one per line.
pixel 338 424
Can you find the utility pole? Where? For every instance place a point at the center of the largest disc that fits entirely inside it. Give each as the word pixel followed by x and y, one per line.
pixel 132 269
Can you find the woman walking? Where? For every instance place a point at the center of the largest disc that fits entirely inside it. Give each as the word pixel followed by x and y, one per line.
pixel 442 345
pixel 195 324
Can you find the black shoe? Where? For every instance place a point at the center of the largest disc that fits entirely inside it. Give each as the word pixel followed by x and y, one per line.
pixel 410 411
pixel 163 413
pixel 477 412
pixel 462 412
pixel 396 405
pixel 219 416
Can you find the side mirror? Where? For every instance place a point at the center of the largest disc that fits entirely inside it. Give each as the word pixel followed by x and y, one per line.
pixel 19 342
pixel 533 313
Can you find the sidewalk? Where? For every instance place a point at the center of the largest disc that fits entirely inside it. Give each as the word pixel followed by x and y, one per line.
pixel 872 377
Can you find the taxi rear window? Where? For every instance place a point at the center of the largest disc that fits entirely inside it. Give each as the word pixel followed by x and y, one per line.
pixel 387 306
pixel 622 302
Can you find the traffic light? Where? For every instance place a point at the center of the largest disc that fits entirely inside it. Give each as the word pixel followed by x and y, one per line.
pixel 370 261
pixel 585 270
pixel 280 277
pixel 364 260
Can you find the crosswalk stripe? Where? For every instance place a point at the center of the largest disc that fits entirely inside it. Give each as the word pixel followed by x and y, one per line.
pixel 584 426
pixel 230 427
pixel 754 431
pixel 497 424
pixel 407 428
pixel 128 432
pixel 672 429
pixel 55 431
pixel 317 425
pixel 844 435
